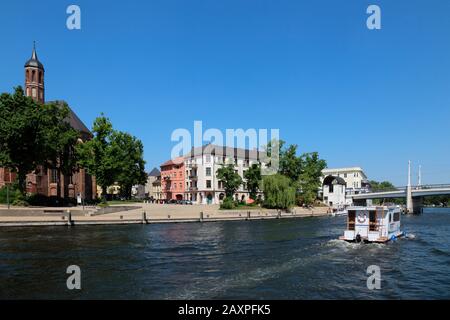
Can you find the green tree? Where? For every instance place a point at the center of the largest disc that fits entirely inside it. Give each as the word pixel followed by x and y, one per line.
pixel 129 152
pixel 384 186
pixel 230 178
pixel 61 140
pixel 279 193
pixel 98 155
pixel 381 186
pixel 290 163
pixel 278 145
pixel 437 200
pixel 33 135
pixel 253 180
pixel 303 171
pixel 309 179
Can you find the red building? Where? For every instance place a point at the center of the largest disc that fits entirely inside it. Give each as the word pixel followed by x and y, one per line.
pixel 51 182
pixel 172 179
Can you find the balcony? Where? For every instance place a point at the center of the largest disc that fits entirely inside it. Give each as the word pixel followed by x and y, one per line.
pixel 193 177
pixel 193 189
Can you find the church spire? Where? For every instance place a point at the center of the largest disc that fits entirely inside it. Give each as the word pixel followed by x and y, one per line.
pixel 34 77
pixel 34 54
pixel 34 61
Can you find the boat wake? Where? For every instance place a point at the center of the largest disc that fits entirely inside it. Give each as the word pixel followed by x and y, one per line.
pixel 213 288
pixel 410 236
pixel 346 246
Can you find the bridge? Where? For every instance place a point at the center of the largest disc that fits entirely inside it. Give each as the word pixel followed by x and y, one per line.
pixel 414 194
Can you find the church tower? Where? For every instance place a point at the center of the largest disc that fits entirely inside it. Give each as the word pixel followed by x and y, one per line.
pixel 34 78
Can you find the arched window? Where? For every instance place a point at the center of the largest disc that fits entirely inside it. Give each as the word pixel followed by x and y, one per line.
pixel 28 75
pixel 40 77
pixel 33 76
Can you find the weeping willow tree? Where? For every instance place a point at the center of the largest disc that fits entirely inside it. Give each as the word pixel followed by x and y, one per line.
pixel 279 193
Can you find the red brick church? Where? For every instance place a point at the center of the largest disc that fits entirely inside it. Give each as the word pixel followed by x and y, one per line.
pixel 51 182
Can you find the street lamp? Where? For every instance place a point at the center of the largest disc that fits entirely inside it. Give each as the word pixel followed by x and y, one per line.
pixel 7 195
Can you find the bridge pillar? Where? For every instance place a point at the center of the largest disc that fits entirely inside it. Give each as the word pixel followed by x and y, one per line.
pixel 417 204
pixel 409 200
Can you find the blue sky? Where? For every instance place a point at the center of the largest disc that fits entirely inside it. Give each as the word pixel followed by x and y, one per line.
pixel 310 68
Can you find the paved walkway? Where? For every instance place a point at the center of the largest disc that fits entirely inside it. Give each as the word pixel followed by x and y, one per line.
pixel 134 213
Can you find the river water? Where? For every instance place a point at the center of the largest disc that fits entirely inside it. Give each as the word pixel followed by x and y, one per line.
pixel 276 259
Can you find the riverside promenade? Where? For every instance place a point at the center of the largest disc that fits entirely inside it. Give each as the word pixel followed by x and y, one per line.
pixel 142 213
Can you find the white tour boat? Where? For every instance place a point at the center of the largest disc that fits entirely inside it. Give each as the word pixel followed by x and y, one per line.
pixel 372 224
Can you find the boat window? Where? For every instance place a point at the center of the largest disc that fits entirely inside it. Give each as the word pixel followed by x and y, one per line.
pixel 397 216
pixel 372 216
pixel 372 220
pixel 351 219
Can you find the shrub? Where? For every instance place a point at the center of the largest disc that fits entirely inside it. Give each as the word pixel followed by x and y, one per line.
pixel 41 200
pixel 228 203
pixel 17 199
pixel 37 200
pixel 14 194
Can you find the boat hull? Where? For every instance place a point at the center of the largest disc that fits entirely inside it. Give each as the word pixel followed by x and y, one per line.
pixel 393 237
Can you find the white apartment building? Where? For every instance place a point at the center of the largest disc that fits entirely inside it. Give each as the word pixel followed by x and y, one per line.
pixel 201 165
pixel 338 183
pixel 354 177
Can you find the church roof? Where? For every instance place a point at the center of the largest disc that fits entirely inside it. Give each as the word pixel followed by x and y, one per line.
pixel 73 119
pixel 34 61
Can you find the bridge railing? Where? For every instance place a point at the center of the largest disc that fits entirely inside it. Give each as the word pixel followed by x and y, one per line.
pixel 431 186
pixel 422 187
pixel 374 190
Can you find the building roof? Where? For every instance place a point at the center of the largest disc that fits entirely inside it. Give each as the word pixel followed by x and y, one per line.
pixel 348 169
pixel 167 163
pixel 217 150
pixel 154 173
pixel 34 61
pixel 176 161
pixel 73 119
pixel 334 180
